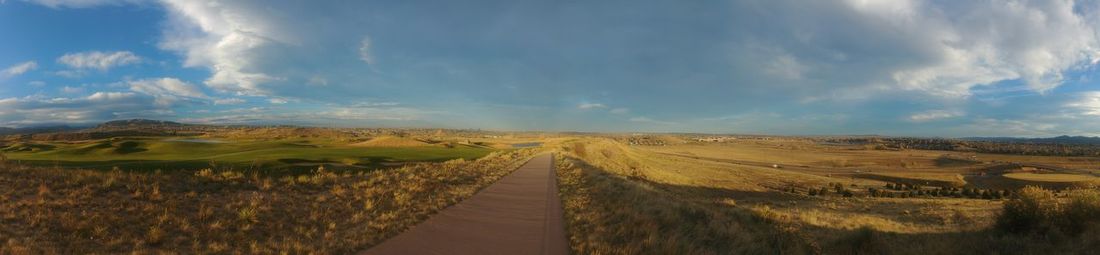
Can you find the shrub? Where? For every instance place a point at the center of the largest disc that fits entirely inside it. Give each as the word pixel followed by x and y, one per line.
pixel 863 241
pixel 1033 208
pixel 1082 210
pixel 1037 210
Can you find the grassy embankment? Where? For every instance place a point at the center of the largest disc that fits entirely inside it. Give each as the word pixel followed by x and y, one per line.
pixel 67 211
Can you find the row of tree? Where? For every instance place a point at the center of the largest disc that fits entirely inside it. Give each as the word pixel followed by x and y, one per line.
pixel 902 190
pixel 1018 148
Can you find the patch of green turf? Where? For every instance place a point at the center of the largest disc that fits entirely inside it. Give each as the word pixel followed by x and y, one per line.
pixel 138 153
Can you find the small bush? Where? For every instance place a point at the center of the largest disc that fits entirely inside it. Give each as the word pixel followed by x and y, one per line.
pixel 863 241
pixel 1037 210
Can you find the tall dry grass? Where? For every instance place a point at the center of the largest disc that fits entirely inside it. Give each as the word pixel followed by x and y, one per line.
pixel 607 213
pixel 213 211
pixel 622 201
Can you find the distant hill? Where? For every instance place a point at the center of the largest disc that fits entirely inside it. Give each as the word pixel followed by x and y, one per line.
pixel 36 130
pixel 1080 140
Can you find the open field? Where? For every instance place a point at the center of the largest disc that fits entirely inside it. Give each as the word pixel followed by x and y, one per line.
pixel 149 153
pixel 666 194
pixel 70 211
pixel 793 197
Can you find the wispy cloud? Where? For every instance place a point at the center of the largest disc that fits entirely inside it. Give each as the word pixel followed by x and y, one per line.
pixel 933 115
pixel 83 3
pixel 587 106
pixel 19 69
pixel 168 91
pixel 365 51
pixel 1087 103
pixel 642 119
pixel 98 60
pixel 229 101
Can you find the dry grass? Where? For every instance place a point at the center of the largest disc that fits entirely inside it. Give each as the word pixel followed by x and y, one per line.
pixel 624 200
pixel 212 211
pixel 610 214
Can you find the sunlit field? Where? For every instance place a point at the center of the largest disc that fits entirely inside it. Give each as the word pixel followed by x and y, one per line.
pixel 174 153
pixel 795 196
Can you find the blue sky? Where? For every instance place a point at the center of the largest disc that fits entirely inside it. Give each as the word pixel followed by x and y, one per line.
pixel 891 67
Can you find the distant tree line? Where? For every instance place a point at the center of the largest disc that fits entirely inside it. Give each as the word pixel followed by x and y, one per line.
pixel 1018 148
pixel 902 190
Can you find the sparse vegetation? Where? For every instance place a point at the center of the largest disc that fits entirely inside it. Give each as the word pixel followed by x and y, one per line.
pixel 610 214
pixel 612 190
pixel 49 210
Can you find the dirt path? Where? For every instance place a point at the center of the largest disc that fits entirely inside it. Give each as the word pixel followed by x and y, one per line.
pixel 519 214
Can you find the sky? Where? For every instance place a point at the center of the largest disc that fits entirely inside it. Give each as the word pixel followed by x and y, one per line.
pixel 786 67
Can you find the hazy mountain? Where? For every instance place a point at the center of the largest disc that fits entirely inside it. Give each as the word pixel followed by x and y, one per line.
pixel 1049 140
pixel 36 130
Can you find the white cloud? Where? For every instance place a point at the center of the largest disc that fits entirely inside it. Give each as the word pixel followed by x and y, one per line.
pixel 933 115
pixel 19 69
pixel 318 81
pixel 937 48
pixel 1087 103
pixel 641 119
pixel 587 106
pixel 233 39
pixel 229 101
pixel 99 106
pixel 374 104
pixel 1012 127
pixel 72 74
pixel 167 91
pixel 325 116
pixel 166 87
pixel 365 51
pixel 72 90
pixel 99 60
pixel 277 100
pixel 82 3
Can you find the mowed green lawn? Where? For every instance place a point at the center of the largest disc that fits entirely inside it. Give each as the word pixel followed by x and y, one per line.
pixel 149 153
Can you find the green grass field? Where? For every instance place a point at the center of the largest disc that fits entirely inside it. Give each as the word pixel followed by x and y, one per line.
pixel 150 153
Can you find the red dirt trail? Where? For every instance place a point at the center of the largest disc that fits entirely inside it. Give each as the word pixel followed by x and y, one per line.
pixel 519 214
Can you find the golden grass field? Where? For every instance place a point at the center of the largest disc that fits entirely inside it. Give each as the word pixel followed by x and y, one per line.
pixel 624 199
